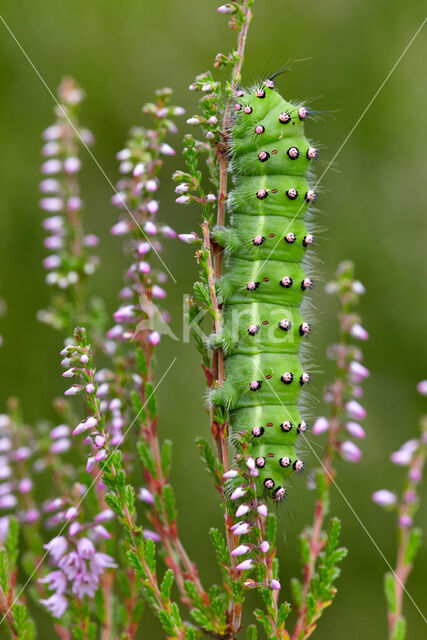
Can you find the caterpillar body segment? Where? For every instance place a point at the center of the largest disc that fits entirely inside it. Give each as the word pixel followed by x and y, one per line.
pixel 264 282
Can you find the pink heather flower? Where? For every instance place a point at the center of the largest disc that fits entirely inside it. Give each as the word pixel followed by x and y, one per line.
pixel 262 510
pixel 71 165
pixel 182 188
pixel 147 534
pixel 250 463
pixel 120 229
pixel 70 373
pixel 55 580
pixel 104 516
pixel 99 441
pixel 84 359
pixel 358 288
pixel 5 445
pixel 53 505
pixel 154 338
pixel 8 501
pixel 124 314
pixel 52 262
pixel 57 604
pixel 401 457
pixel 150 228
pixel 101 455
pixel 358 371
pixel 53 223
pixel 384 498
pixel 241 529
pixel 211 197
pixel 189 238
pixel 422 387
pixel 90 388
pixel 53 242
pixel 80 428
pixel 195 120
pixel 32 515
pixel 143 248
pixel 102 532
pixel 146 496
pixel 25 485
pixel 102 561
pixel 60 446
pixel 410 496
pixel 74 204
pixel 166 149
pixel 71 513
pixel 158 292
pixel 74 529
pixel 144 267
pixel 226 9
pixel 51 166
pixel 4 528
pixel 22 453
pixel 91 240
pixel 152 207
pixel 115 332
pixel 230 474
pixel 85 548
pixel 238 493
pixel 350 451
pixel 139 170
pixel 123 154
pixel 415 475
pixel 240 550
pixel 320 426
pixel 183 200
pixel 74 390
pixel 275 585
pixel 168 232
pixel 90 464
pixel 51 204
pixel 52 133
pixel 49 185
pixel 51 148
pixel 244 508
pixel 405 521
pixel 355 410
pixel 246 565
pixel 410 445
pixel 115 404
pixel 357 331
pixel 56 547
pixel 264 546
pixel 355 430
pixel 357 391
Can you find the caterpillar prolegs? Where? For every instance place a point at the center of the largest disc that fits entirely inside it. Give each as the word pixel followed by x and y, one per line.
pixel 264 282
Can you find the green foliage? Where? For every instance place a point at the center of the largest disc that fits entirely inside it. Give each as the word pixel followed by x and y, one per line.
pixel 413 545
pixel 169 504
pixel 251 633
pixel 24 625
pixel 146 457
pixel 221 549
pixel 166 457
pixel 207 456
pixel 390 592
pixel 399 630
pixel 166 586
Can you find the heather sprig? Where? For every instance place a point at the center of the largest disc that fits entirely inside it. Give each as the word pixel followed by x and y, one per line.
pixel 319 550
pixel 412 456
pixel 70 260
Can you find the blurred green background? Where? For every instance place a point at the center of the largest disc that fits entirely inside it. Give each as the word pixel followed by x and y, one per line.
pixel 372 203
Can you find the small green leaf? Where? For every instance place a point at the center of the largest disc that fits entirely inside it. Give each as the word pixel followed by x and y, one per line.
pixel 390 592
pixel 166 457
pixel 169 503
pixel 413 545
pixel 399 630
pixel 296 588
pixel 252 633
pixel 151 400
pixel 141 362
pixel 166 586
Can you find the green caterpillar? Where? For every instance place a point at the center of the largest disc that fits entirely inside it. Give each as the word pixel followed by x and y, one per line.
pixel 264 282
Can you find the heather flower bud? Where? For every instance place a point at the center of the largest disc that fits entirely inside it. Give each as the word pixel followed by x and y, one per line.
pixel 262 510
pixel 355 410
pixel 166 149
pixel 355 430
pixel 240 550
pixel 320 426
pixel 246 565
pixel 357 331
pixel 226 9
pixel 244 508
pixel 74 390
pixel 264 546
pixel 275 585
pixel 422 387
pixel 241 529
pixel 405 521
pixel 384 498
pixel 146 496
pixel 90 388
pixel 183 200
pixel 233 473
pixel 182 188
pixel 238 493
pixel 350 451
pixel 358 371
